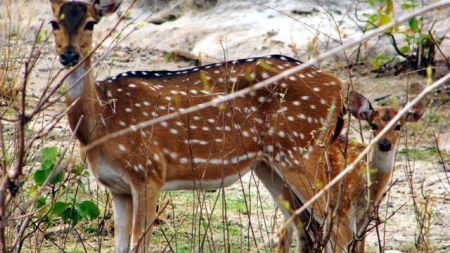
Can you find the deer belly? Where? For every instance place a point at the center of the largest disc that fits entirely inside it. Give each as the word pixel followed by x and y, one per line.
pixel 202 184
pixel 110 177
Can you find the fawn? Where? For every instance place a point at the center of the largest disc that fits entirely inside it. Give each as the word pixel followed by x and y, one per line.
pixel 363 188
pixel 274 131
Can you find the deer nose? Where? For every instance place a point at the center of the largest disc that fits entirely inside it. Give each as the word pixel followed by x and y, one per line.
pixel 69 58
pixel 384 145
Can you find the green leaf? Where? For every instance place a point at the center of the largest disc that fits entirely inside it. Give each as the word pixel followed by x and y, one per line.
pixel 409 4
pixel 389 7
pixel 404 49
pixel 59 207
pixel 58 178
pixel 414 24
pixel 429 75
pixel 47 165
pixel 378 61
pixel 40 176
pixel 371 2
pixel 384 19
pixel 88 209
pixel 49 156
pixel 78 169
pixel 63 88
pixel 372 19
pixel 50 153
pixel 72 215
pixel 40 202
pixel 40 37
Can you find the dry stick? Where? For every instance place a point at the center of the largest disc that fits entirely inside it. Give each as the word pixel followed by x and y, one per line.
pixel 329 222
pixel 17 170
pixel 267 82
pixel 441 159
pixel 438 47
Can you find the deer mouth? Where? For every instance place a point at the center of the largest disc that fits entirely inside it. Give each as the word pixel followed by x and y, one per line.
pixel 69 58
pixel 385 145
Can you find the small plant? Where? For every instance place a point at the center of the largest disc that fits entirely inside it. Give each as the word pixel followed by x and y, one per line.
pixel 71 211
pixel 419 47
pixel 49 158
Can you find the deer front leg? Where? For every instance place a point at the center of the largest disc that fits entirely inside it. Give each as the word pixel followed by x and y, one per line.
pixel 145 198
pixel 280 193
pixel 123 215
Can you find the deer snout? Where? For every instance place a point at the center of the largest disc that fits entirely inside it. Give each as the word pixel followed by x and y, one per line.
pixel 69 57
pixel 384 145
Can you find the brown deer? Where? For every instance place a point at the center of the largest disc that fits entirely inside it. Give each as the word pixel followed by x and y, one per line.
pixel 273 131
pixel 363 188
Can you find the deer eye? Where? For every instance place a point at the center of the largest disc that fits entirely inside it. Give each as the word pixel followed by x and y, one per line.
pixel 54 25
pixel 374 127
pixel 397 127
pixel 89 26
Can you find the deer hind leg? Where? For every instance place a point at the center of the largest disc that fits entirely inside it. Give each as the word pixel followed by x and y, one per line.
pixel 123 215
pixel 280 192
pixel 145 198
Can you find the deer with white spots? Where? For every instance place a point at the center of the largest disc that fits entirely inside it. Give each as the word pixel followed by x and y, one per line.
pixel 363 188
pixel 273 131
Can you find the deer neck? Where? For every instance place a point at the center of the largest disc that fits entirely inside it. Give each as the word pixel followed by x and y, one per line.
pixel 77 81
pixel 82 99
pixel 382 165
pixel 383 162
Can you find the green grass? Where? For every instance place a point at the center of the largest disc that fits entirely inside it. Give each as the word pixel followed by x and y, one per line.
pixel 420 154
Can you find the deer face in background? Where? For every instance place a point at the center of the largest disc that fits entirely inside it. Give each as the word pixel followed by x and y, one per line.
pixel 73 23
pixel 380 119
pixel 361 108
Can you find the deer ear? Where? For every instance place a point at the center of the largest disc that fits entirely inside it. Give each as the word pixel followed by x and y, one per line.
pixel 360 107
pixel 56 2
pixel 106 7
pixel 416 112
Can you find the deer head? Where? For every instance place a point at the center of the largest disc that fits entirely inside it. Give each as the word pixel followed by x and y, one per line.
pixel 362 109
pixel 73 23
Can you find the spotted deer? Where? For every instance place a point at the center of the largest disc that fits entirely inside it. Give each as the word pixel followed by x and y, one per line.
pixel 273 131
pixel 363 188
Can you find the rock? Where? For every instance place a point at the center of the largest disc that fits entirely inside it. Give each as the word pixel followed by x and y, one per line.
pixel 61 229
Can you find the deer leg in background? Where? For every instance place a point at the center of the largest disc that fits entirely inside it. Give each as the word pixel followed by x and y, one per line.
pixel 123 215
pixel 281 193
